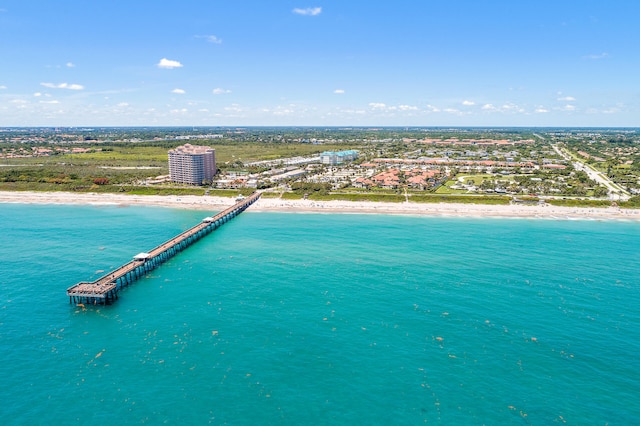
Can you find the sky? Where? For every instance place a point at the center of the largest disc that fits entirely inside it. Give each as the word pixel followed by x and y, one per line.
pixel 320 63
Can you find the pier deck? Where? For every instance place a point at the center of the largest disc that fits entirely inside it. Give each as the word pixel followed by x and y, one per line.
pixel 105 289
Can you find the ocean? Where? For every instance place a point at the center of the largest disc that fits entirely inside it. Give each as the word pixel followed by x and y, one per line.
pixel 320 319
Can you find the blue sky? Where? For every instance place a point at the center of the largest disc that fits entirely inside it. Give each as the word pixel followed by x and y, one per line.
pixel 326 62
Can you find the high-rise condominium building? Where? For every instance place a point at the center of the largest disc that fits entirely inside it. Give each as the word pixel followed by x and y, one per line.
pixel 192 164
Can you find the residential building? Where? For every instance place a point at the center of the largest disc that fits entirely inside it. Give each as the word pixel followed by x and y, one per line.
pixel 332 158
pixel 192 164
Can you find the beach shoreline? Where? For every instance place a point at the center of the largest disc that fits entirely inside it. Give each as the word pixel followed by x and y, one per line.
pixel 215 203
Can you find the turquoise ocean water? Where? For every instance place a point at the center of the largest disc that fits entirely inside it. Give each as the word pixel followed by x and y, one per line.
pixel 320 319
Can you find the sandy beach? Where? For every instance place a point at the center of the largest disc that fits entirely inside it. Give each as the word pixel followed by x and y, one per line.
pixel 212 203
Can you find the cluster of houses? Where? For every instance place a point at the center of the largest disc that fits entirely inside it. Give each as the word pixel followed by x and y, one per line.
pixel 480 166
pixel 285 169
pixel 393 178
pixel 36 151
pixel 474 142
pixel 420 173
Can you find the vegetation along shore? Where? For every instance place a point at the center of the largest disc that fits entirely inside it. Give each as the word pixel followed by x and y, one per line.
pixel 389 169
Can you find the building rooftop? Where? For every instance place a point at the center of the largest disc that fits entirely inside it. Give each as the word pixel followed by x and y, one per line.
pixel 191 149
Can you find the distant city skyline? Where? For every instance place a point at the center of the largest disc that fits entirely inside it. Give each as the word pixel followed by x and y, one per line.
pixel 325 63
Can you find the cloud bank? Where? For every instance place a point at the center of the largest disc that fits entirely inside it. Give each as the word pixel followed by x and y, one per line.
pixel 63 86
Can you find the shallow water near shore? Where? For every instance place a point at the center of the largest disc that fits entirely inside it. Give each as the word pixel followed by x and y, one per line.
pixel 282 318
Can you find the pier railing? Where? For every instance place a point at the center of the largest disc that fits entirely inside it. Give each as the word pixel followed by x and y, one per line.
pixel 105 289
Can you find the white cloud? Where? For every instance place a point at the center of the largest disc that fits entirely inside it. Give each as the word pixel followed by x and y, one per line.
pixel 54 102
pixel 597 56
pixel 567 99
pixel 70 65
pixel 342 112
pixel 505 108
pixel 468 103
pixel 2 87
pixel 220 91
pixel 382 107
pixel 432 108
pixel 309 11
pixel 213 39
pixel 178 91
pixel 281 111
pixel 123 104
pixel 210 38
pixel 566 108
pixel 168 64
pixel 233 108
pixel 541 110
pixel 511 108
pixel 339 92
pixel 37 94
pixel 613 110
pixel 63 86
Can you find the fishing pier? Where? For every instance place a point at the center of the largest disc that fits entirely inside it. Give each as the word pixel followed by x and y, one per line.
pixel 105 289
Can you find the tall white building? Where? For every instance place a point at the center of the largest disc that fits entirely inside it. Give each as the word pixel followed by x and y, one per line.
pixel 192 164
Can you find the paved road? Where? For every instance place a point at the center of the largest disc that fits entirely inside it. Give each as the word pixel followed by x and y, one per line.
pixel 615 191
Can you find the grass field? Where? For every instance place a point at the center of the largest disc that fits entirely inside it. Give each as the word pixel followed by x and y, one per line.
pixel 128 164
pixel 225 152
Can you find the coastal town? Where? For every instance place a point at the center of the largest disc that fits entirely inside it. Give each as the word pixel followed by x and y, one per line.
pixel 320 212
pixel 532 165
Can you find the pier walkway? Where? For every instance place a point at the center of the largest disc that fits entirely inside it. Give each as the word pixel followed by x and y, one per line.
pixel 105 289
